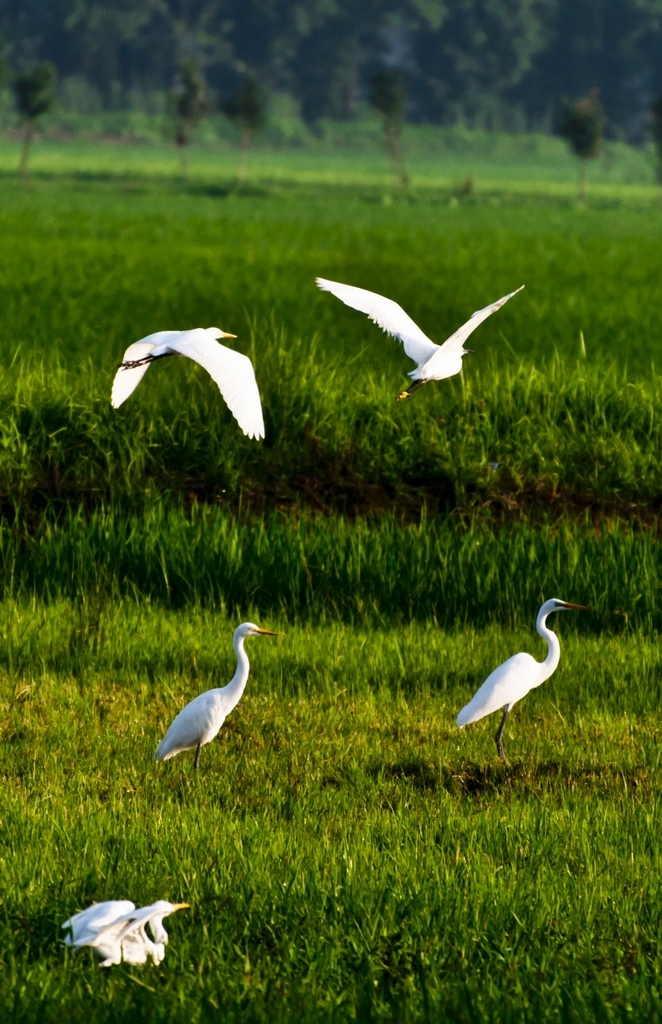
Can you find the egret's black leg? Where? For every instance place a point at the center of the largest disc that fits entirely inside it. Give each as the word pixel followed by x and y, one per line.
pixel 498 739
pixel 133 364
pixel 197 756
pixel 410 390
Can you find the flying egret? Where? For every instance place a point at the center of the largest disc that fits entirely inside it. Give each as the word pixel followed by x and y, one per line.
pixel 521 673
pixel 200 720
pixel 232 371
pixel 434 362
pixel 115 930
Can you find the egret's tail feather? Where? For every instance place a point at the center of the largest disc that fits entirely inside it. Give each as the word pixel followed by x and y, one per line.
pixel 162 753
pixel 468 714
pixel 167 749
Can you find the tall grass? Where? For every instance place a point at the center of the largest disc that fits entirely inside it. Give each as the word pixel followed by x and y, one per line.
pixel 357 571
pixel 504 441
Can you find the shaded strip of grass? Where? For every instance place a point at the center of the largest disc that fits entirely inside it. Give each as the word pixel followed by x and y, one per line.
pixel 352 570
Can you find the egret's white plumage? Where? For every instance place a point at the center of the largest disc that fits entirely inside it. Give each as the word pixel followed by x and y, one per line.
pixel 434 362
pixel 199 722
pixel 514 678
pixel 115 930
pixel 232 371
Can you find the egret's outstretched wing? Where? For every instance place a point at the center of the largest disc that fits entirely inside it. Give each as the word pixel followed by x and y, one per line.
pixel 127 380
pixel 457 340
pixel 387 315
pixel 87 924
pixel 232 372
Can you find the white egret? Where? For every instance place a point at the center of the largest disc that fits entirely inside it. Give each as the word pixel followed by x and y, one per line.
pixel 434 362
pixel 115 930
pixel 200 720
pixel 521 673
pixel 232 371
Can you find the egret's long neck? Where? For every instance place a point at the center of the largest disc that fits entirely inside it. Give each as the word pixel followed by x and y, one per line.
pixel 237 684
pixel 553 648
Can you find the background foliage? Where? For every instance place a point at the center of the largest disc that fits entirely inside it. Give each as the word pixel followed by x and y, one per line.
pixel 491 62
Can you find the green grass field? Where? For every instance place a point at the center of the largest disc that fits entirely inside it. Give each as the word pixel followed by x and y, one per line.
pixel 347 154
pixel 348 854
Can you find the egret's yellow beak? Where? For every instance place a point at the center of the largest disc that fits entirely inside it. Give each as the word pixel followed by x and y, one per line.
pixel 182 906
pixel 575 607
pixel 224 334
pixel 265 632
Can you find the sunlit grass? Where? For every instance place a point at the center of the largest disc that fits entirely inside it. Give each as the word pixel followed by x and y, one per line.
pixel 521 165
pixel 342 845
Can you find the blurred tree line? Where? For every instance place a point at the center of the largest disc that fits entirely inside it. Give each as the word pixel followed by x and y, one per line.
pixel 496 63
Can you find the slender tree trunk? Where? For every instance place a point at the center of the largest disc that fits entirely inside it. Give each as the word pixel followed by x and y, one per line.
pixel 582 181
pixel 393 143
pixel 245 145
pixel 183 161
pixel 181 141
pixel 25 149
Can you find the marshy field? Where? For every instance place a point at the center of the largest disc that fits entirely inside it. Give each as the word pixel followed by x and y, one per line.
pixel 348 853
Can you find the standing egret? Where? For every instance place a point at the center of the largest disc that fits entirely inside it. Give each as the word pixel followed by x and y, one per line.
pixel 434 362
pixel 200 720
pixel 232 371
pixel 521 673
pixel 115 930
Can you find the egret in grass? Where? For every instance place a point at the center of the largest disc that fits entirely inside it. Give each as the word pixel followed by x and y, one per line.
pixel 200 720
pixel 232 371
pixel 521 673
pixel 115 930
pixel 433 362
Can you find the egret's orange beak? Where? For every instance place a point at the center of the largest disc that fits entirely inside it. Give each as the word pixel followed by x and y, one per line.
pixel 575 607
